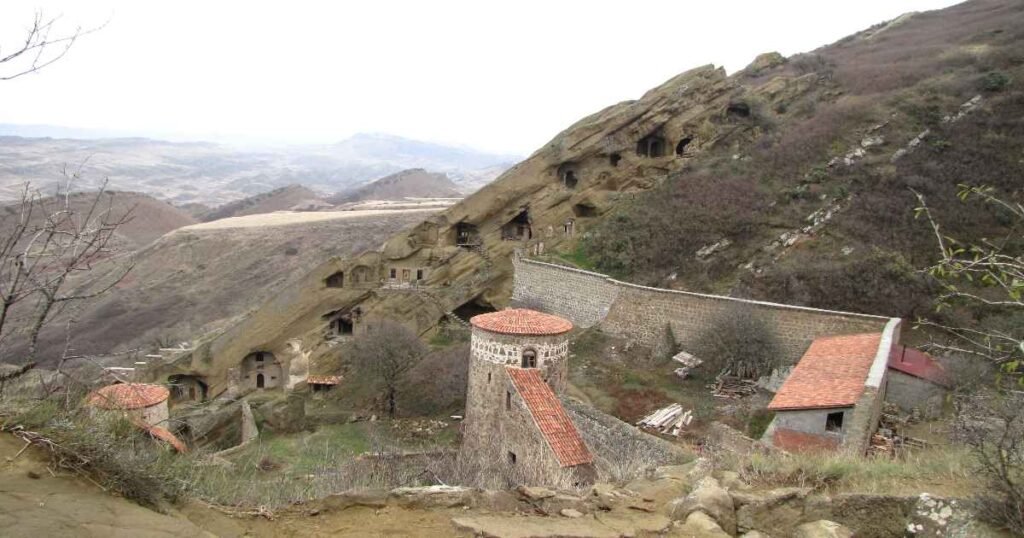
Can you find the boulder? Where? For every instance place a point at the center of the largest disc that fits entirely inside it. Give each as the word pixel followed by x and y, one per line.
pixel 433 497
pixel 754 534
pixel 822 528
pixel 699 525
pixel 569 512
pixel 531 493
pixel 710 498
pixel 765 61
pixel 776 512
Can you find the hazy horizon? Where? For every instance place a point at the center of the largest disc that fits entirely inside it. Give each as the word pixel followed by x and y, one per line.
pixel 496 78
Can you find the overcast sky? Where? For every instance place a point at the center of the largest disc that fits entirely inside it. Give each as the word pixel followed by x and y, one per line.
pixel 500 76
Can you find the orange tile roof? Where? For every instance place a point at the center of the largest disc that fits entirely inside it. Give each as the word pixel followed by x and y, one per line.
pixel 550 417
pixel 161 433
pixel 794 441
pixel 521 321
pixel 830 374
pixel 128 396
pixel 323 380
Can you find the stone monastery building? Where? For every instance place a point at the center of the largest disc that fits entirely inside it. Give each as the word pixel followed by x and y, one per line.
pixel 518 365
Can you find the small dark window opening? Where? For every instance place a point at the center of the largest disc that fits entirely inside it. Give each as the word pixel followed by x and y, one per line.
pixel 259 357
pixel 337 280
pixel 419 274
pixel 260 381
pixel 569 178
pixel 393 273
pixel 488 377
pixel 681 146
pixel 529 359
pixel 343 325
pixel 517 229
pixel 834 422
pixel 584 210
pixel 466 235
pixel 508 400
pixel 739 109
pixel 614 159
pixel 512 457
pixel 651 146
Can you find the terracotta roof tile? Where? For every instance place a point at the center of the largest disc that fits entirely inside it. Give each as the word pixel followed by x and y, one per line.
pixel 794 441
pixel 550 417
pixel 918 364
pixel 128 396
pixel 521 321
pixel 323 380
pixel 161 433
pixel 830 374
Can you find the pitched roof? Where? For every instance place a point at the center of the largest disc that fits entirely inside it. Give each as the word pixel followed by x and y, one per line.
pixel 128 396
pixel 323 379
pixel 521 321
pixel 831 373
pixel 918 364
pixel 550 417
pixel 161 433
pixel 795 441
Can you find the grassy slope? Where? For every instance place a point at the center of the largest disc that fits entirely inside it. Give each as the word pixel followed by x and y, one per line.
pixel 904 78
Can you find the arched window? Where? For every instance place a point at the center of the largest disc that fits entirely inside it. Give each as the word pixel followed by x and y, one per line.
pixel 529 358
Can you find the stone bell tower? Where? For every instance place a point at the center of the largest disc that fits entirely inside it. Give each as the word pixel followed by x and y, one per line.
pixel 519 362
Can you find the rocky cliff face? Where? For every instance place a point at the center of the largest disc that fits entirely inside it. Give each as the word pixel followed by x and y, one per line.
pixel 460 259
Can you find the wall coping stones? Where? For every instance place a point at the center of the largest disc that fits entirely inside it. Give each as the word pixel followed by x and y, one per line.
pixel 709 296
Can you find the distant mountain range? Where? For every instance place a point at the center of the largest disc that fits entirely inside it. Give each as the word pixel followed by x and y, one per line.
pixel 214 174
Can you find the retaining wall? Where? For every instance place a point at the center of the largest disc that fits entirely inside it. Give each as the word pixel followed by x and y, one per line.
pixel 642 313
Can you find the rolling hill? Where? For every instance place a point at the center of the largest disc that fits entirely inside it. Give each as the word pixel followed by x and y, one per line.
pixel 414 183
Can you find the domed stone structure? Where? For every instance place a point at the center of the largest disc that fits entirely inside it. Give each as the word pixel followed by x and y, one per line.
pixel 519 362
pixel 135 400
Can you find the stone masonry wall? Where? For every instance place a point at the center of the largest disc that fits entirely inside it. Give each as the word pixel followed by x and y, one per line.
pixel 579 296
pixel 642 314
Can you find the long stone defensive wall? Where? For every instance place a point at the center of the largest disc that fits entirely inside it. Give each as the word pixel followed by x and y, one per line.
pixel 642 313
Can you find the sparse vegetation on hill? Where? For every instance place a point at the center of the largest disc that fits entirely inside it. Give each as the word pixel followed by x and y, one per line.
pixel 283 199
pixel 414 183
pixel 875 92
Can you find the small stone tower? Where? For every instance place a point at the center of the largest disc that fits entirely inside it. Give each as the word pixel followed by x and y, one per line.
pixel 518 365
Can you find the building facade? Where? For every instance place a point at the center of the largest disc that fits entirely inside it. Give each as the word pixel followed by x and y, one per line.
pixel 518 365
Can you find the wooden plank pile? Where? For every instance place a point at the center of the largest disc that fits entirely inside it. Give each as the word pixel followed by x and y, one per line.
pixel 669 420
pixel 733 387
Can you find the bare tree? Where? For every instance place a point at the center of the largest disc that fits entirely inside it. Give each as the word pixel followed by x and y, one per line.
pixel 43 44
pixel 388 350
pixel 738 343
pixel 44 242
pixel 987 274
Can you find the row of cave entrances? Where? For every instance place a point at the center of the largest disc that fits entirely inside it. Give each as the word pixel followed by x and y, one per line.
pixel 651 146
pixel 519 228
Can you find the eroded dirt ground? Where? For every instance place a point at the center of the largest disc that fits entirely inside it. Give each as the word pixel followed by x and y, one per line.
pixel 37 503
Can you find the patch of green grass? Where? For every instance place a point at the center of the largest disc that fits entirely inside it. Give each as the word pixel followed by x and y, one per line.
pixel 578 257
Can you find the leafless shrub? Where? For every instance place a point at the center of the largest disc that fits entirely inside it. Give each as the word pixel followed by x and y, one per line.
pixel 388 350
pixel 992 427
pixel 739 343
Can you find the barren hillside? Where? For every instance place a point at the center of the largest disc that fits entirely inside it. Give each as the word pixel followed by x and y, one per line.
pixel 414 183
pixel 200 277
pixel 149 218
pixel 283 199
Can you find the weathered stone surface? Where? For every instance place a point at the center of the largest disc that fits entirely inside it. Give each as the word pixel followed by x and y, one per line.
pixel 495 526
pixel 872 516
pixel 698 525
pixel 822 529
pixel 433 497
pixel 569 512
pixel 534 493
pixel 776 512
pixel 764 61
pixel 708 497
pixel 754 534
pixel 347 499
